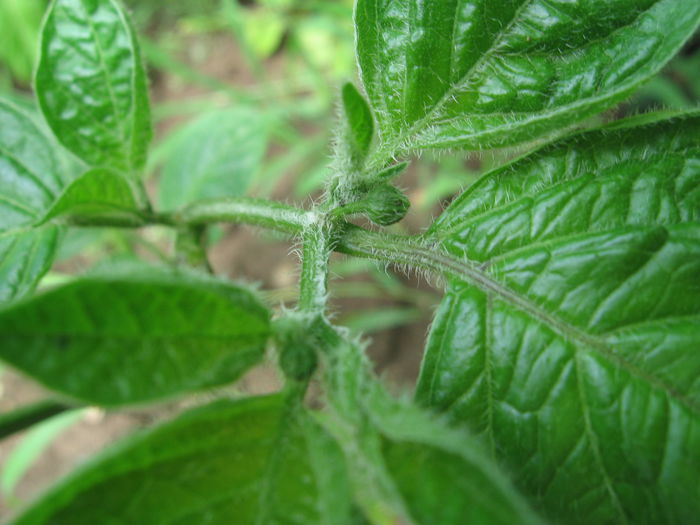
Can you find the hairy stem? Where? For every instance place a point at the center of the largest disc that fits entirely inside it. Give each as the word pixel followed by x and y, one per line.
pixel 258 212
pixel 313 286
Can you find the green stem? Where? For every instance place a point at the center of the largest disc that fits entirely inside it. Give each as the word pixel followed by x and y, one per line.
pixel 313 287
pixel 29 415
pixel 258 212
pixel 190 246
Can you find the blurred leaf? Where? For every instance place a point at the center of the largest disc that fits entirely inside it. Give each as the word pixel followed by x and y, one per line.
pixel 114 340
pixel 249 462
pixel 30 448
pixel 26 416
pixel 215 156
pixel 91 84
pixel 327 44
pixel 25 256
pixel 311 181
pixel 263 30
pixel 100 193
pixel 81 241
pixel 20 23
pixel 31 175
pixel 370 321
pixel 31 180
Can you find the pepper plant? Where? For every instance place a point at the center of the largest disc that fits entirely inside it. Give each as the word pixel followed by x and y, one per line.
pixel 560 381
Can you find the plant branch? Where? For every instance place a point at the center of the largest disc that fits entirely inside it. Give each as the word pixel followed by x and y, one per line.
pixel 257 212
pixel 313 286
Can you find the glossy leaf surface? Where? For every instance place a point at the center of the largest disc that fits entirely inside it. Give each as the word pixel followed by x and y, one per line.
pixel 99 194
pixel 569 337
pixel 91 84
pixel 30 180
pixel 359 121
pixel 114 341
pixel 215 156
pixel 484 73
pixel 247 462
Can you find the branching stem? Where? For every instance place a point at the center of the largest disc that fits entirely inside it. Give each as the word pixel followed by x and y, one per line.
pixel 313 286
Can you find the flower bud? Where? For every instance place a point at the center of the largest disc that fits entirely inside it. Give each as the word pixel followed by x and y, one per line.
pixel 386 205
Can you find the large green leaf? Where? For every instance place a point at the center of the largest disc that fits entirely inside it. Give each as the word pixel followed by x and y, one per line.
pixel 91 83
pixel 486 73
pixel 570 331
pixel 30 180
pixel 215 156
pixel 116 340
pixel 251 462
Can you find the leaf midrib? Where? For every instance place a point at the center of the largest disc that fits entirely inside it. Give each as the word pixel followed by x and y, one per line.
pixel 418 256
pixel 467 272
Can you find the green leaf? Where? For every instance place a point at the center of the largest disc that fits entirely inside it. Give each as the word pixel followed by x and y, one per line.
pixel 569 333
pixel 30 179
pixel 25 257
pixel 26 416
pixel 486 74
pixel 359 121
pixel 91 83
pixel 19 29
pixel 29 171
pixel 115 340
pixel 442 476
pixel 405 465
pixel 215 156
pixel 255 462
pixel 28 451
pixel 99 194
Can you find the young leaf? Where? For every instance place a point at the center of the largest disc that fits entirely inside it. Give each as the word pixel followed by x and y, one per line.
pixel 250 462
pixel 359 121
pixel 91 84
pixel 408 467
pixel 215 156
pixel 31 447
pixel 485 74
pixel 31 180
pixel 115 341
pixel 100 193
pixel 442 476
pixel 26 416
pixel 569 331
